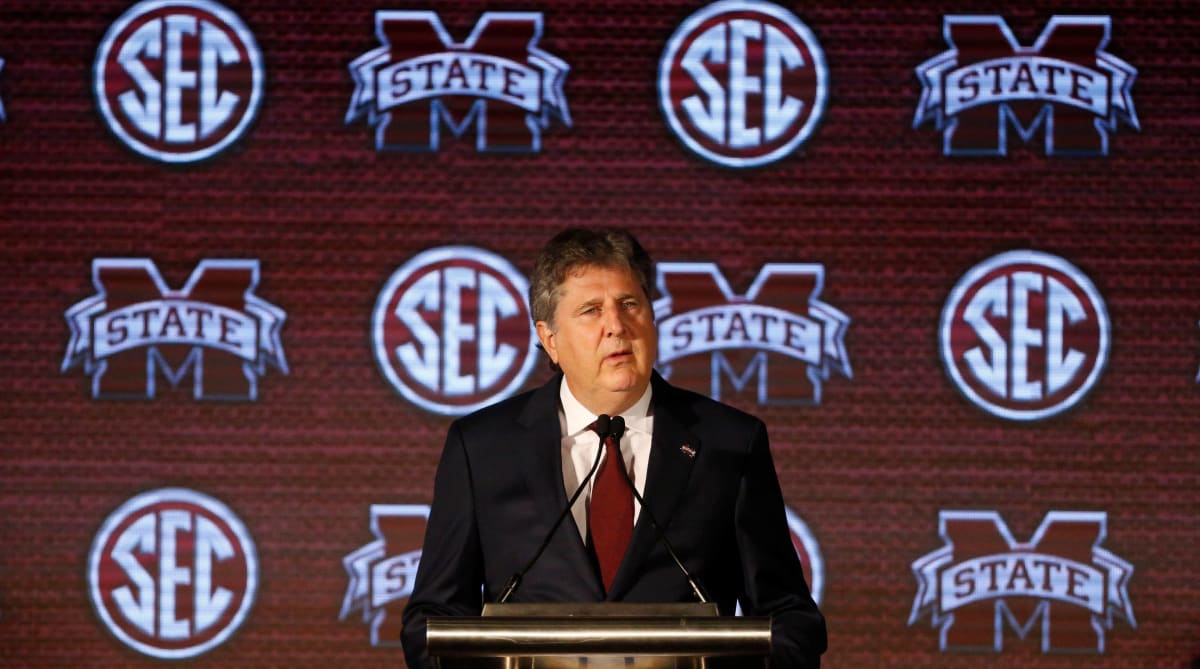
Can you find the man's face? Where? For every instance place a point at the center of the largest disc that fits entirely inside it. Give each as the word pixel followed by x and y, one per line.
pixel 603 337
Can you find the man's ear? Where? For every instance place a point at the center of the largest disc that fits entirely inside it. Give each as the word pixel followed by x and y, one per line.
pixel 548 339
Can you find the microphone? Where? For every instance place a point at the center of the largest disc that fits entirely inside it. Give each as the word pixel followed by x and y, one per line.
pixel 603 427
pixel 617 429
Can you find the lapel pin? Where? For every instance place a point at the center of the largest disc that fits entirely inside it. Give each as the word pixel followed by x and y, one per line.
pixel 688 451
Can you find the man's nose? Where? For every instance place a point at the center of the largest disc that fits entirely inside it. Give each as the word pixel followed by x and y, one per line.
pixel 614 322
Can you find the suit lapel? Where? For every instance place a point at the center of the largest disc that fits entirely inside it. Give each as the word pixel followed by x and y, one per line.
pixel 667 476
pixel 541 461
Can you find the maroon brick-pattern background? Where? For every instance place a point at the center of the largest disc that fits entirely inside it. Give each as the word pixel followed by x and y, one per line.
pixel 894 222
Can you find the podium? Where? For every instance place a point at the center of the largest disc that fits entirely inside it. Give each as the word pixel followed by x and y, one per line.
pixel 598 635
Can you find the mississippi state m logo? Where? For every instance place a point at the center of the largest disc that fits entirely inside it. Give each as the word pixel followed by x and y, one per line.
pixel 743 83
pixel 497 81
pixel 178 80
pixel 1065 84
pixel 1024 335
pixel 135 332
pixel 1060 585
pixel 382 572
pixel 777 340
pixel 452 331
pixel 172 573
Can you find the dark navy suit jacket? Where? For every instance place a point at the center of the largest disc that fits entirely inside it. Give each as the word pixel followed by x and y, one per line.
pixel 499 489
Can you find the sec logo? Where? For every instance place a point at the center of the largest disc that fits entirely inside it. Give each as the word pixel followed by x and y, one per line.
pixel 452 330
pixel 172 573
pixel 809 552
pixel 1024 335
pixel 178 80
pixel 743 83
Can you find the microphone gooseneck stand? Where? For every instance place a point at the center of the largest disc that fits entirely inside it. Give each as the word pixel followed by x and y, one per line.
pixel 603 427
pixel 618 428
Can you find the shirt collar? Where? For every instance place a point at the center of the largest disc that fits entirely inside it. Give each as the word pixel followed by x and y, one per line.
pixel 578 418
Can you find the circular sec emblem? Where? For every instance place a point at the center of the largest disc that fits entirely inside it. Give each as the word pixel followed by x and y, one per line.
pixel 172 573
pixel 1024 335
pixel 178 80
pixel 452 330
pixel 743 83
pixel 809 552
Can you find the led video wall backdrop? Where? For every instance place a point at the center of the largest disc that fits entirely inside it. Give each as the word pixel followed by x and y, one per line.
pixel 257 256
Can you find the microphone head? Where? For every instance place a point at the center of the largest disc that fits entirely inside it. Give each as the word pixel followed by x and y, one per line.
pixel 616 427
pixel 603 423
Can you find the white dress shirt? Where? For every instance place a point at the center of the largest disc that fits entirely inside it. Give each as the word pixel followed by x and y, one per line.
pixel 579 449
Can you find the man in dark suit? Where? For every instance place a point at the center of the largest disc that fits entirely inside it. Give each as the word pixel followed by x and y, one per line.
pixel 704 470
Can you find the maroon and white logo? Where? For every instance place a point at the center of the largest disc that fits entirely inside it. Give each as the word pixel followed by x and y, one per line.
pixel 178 80
pixel 382 572
pixel 1065 83
pixel 1025 335
pixel 809 552
pixel 743 83
pixel 1060 584
pixel 498 81
pixel 778 340
pixel 135 331
pixel 172 573
pixel 452 330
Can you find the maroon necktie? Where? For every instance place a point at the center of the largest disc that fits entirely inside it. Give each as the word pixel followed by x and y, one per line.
pixel 610 517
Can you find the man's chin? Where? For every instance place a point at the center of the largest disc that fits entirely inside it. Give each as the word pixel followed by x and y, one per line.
pixel 626 382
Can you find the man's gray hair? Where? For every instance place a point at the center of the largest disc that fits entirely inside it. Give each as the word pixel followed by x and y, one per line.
pixel 576 248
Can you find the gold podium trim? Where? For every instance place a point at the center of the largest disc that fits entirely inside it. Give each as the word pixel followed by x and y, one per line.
pixel 630 636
